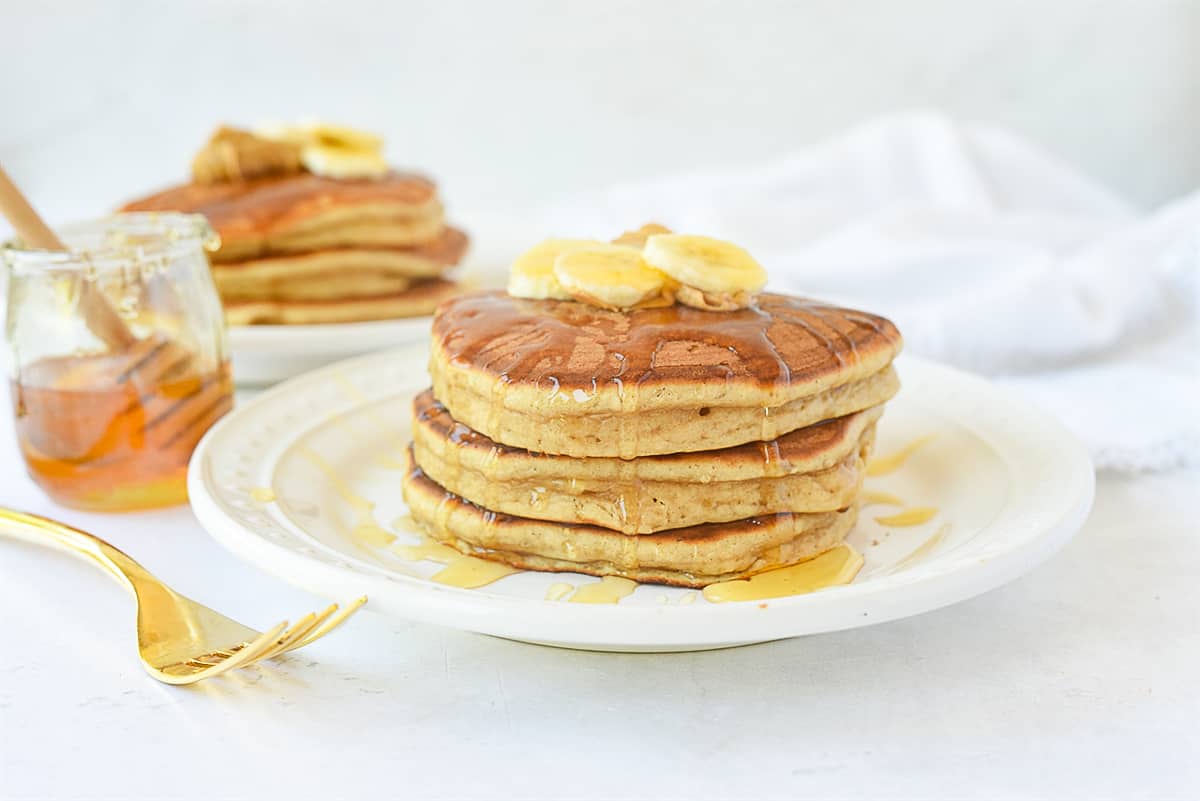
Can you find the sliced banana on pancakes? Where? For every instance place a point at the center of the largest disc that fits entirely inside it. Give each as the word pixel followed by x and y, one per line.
pixel 532 274
pixel 647 267
pixel 710 265
pixel 333 151
pixel 713 274
pixel 610 276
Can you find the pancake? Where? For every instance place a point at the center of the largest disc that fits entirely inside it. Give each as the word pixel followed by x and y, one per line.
pixel 381 232
pixel 342 271
pixel 687 557
pixel 315 285
pixel 419 300
pixel 567 378
pixel 306 212
pixel 815 469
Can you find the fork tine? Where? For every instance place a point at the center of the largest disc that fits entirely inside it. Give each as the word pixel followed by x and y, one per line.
pixel 244 655
pixel 332 623
pixel 298 630
pixel 251 651
pixel 296 634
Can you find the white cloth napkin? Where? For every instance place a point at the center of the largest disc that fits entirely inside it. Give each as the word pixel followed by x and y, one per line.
pixel 987 252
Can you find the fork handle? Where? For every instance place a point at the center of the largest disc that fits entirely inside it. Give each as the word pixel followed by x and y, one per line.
pixel 44 531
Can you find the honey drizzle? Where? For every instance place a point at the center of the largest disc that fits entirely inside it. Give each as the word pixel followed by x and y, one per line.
pixel 470 572
pixel 559 590
pixel 625 489
pixel 869 497
pixel 887 464
pixel 407 522
pixel 371 534
pixel 366 530
pixel 427 550
pixel 608 590
pixel 460 570
pixel 836 566
pixel 913 516
pixel 263 494
pixel 922 550
pixel 401 447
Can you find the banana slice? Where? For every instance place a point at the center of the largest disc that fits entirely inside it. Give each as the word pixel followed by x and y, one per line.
pixel 344 138
pixel 532 274
pixel 337 162
pixel 610 276
pixel 710 265
pixel 311 132
pixel 334 151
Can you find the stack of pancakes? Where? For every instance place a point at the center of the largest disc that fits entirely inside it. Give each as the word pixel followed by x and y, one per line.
pixel 668 445
pixel 303 248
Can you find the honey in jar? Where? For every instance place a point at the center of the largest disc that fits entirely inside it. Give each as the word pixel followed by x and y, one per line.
pixel 109 422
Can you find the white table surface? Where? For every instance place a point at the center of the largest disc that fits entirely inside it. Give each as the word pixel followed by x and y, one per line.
pixel 1077 681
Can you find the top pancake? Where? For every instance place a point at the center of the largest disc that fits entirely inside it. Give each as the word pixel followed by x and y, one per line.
pixel 304 212
pixel 566 377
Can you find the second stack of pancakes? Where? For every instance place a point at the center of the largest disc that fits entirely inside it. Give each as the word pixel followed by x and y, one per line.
pixel 305 248
pixel 668 445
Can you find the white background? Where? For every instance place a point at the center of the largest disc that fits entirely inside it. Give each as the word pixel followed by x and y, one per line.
pixel 512 103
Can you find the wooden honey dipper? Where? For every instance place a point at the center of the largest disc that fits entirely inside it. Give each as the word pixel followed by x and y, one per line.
pixel 99 315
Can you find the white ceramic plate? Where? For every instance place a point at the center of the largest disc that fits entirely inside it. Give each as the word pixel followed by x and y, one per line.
pixel 1011 486
pixel 265 354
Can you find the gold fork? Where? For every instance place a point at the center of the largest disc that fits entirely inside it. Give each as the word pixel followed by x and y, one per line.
pixel 179 640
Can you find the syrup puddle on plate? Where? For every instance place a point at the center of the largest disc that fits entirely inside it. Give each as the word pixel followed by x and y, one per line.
pixel 465 572
pixel 471 572
pixel 838 565
pixel 608 590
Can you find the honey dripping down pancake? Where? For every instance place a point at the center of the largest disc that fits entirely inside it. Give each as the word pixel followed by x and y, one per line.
pixel 694 556
pixel 816 469
pixel 568 378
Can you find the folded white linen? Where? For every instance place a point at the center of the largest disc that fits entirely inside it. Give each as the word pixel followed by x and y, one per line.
pixel 987 252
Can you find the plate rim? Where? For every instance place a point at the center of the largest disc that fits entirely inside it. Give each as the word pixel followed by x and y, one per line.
pixel 671 627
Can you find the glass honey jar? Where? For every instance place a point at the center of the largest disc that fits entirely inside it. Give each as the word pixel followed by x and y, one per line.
pixel 118 360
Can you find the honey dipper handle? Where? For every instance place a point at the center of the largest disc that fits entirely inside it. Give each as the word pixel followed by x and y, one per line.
pixel 98 313
pixel 24 219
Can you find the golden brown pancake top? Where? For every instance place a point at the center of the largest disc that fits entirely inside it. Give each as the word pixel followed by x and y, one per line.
pixel 562 346
pixel 256 208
